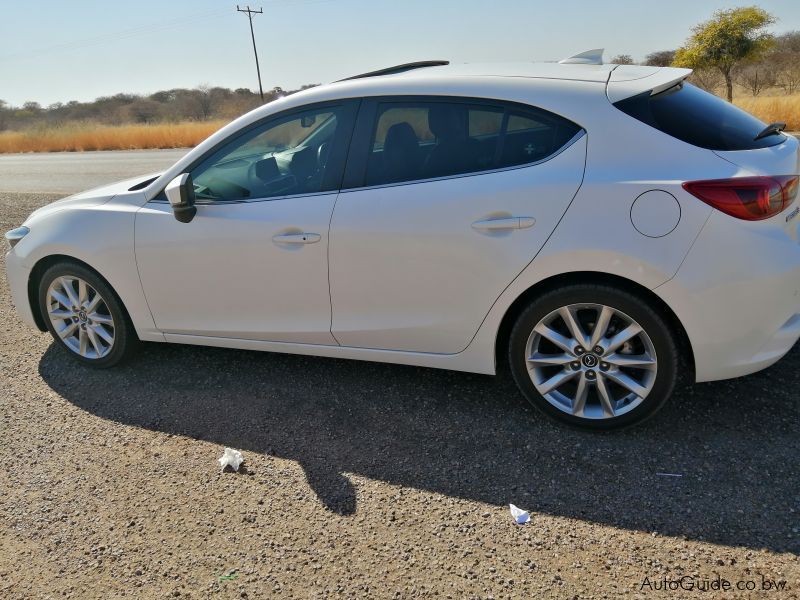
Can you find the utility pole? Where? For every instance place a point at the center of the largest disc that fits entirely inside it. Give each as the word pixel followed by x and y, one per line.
pixel 250 14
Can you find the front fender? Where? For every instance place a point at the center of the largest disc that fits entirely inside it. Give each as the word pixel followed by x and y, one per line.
pixel 101 236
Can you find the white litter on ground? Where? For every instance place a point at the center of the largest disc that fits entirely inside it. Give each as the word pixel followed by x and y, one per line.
pixel 519 515
pixel 230 458
pixel 669 474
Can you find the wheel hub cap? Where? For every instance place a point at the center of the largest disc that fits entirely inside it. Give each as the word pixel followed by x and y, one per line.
pixel 590 361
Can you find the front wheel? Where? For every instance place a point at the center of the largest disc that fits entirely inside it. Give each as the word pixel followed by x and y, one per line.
pixel 593 356
pixel 84 315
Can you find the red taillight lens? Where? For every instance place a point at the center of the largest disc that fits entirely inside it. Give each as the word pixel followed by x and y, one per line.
pixel 748 198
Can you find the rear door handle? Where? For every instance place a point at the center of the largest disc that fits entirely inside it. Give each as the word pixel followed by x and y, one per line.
pixel 297 238
pixel 505 223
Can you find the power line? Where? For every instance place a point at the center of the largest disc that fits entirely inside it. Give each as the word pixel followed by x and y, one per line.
pixel 250 13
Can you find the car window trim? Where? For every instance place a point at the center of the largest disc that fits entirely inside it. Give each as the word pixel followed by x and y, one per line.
pixel 360 146
pixel 352 104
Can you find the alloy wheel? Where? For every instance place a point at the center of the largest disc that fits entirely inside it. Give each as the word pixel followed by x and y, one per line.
pixel 80 317
pixel 591 361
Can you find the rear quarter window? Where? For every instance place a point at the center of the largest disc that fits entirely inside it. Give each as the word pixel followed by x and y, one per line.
pixel 698 118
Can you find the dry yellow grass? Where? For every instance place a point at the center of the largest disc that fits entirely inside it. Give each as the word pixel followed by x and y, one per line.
pixel 774 108
pixel 90 136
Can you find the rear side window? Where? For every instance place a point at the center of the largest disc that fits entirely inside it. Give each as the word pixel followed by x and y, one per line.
pixel 696 117
pixel 422 140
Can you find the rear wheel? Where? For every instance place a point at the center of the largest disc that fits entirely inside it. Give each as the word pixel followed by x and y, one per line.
pixel 84 315
pixel 593 356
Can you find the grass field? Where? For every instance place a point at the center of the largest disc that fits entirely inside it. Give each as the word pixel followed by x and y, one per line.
pixel 773 108
pixel 90 136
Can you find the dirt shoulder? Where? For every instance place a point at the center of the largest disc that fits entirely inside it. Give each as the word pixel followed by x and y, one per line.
pixel 373 481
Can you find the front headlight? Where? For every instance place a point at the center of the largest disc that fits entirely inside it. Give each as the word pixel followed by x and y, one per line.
pixel 15 235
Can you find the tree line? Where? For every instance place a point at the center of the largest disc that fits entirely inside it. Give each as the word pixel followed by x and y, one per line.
pixel 180 104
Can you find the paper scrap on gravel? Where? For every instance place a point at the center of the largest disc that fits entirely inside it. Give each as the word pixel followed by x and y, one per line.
pixel 520 516
pixel 230 458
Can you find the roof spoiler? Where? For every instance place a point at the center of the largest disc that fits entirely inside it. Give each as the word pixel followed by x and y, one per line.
pixel 629 80
pixel 590 57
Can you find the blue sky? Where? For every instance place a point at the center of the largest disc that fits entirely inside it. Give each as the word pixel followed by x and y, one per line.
pixel 62 50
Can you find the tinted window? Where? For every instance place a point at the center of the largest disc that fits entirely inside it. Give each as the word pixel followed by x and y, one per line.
pixel 699 118
pixel 290 155
pixel 421 140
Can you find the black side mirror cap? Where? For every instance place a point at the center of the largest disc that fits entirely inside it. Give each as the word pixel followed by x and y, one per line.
pixel 180 193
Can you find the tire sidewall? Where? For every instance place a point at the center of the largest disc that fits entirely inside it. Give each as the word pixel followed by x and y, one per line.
pixel 124 335
pixel 630 304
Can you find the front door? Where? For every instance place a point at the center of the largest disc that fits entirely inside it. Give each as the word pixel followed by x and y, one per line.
pixel 253 263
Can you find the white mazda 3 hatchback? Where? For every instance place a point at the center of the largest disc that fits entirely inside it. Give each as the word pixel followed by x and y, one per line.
pixel 605 229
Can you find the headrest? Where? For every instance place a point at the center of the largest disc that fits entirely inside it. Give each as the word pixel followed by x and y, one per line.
pixel 400 133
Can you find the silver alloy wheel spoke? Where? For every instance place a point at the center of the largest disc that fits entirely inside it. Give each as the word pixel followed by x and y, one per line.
pixel 80 317
pixel 61 299
pixel 93 304
pixel 83 341
pixel 585 383
pixel 623 336
pixel 551 359
pixel 628 383
pixel 636 361
pixel 601 326
pixel 104 334
pixel 572 325
pixel 90 331
pixel 555 337
pixel 579 401
pixel 83 294
pixel 557 380
pixel 606 402
pixel 66 285
pixel 68 330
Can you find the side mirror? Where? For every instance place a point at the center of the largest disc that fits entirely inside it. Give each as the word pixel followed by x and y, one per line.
pixel 180 193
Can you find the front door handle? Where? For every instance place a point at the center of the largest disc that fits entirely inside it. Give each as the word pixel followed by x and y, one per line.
pixel 297 238
pixel 503 224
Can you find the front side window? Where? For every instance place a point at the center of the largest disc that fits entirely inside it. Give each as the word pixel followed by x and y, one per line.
pixel 286 156
pixel 423 140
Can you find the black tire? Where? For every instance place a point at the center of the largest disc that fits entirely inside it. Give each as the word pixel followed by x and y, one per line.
pixel 125 341
pixel 632 305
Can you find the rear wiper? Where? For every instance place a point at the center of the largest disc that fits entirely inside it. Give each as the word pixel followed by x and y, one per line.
pixel 770 129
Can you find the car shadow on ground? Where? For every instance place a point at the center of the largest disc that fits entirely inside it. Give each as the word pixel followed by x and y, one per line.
pixel 734 444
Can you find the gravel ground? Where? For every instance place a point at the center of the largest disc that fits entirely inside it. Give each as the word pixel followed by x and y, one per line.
pixel 374 481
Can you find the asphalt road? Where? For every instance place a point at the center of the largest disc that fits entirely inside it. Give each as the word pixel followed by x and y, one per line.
pixel 71 172
pixel 374 481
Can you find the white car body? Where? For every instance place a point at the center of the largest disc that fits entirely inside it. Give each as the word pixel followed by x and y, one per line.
pixel 399 275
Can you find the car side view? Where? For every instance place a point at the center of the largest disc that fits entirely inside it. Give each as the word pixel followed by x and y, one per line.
pixel 607 230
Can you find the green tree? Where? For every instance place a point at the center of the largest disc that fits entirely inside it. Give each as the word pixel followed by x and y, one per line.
pixel 726 41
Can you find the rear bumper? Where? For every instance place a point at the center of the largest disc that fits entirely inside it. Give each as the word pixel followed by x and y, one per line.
pixel 18 277
pixel 737 294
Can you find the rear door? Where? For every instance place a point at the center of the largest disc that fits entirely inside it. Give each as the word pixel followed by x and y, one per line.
pixel 448 200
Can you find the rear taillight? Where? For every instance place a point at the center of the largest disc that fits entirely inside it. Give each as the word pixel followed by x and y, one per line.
pixel 748 198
